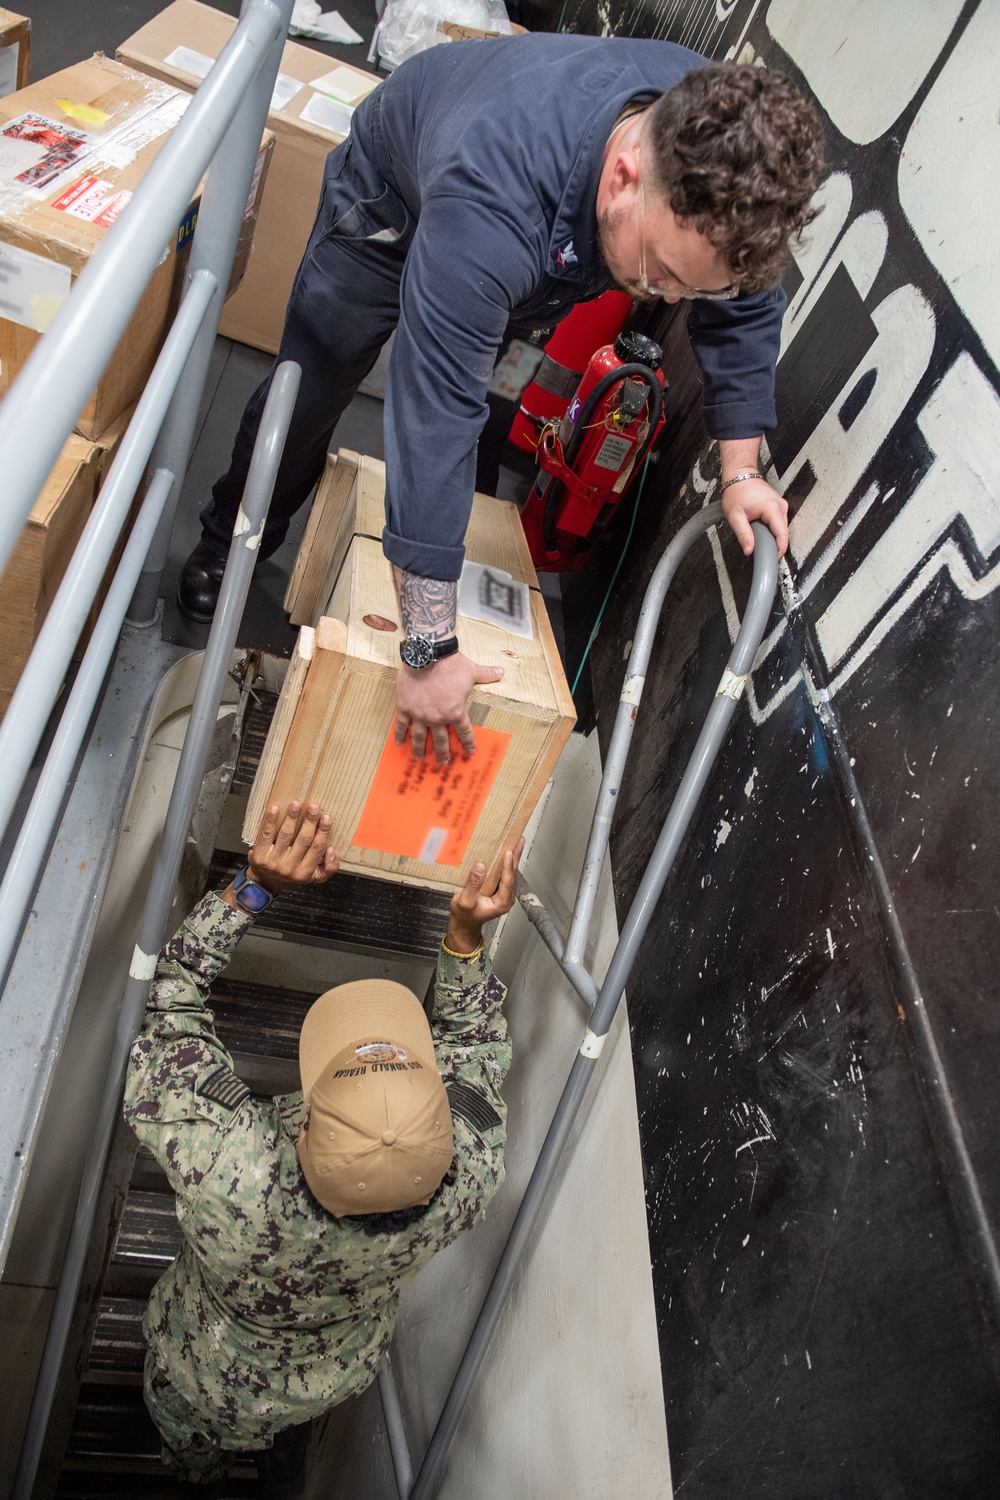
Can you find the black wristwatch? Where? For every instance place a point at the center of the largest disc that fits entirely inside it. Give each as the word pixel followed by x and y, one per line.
pixel 418 652
pixel 252 897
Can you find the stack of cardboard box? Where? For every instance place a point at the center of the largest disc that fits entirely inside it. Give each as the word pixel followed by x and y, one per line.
pixel 73 149
pixel 15 51
pixel 310 114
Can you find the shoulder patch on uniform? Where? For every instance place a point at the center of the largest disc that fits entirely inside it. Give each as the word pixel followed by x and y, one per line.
pixel 472 1106
pixel 223 1087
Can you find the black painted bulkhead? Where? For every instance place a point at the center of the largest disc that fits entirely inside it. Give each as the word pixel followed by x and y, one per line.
pixel 814 1014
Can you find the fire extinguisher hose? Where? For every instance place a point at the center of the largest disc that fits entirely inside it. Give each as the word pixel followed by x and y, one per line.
pixel 600 390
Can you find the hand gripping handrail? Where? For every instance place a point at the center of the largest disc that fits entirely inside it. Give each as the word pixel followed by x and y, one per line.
pixel 183 797
pixel 608 996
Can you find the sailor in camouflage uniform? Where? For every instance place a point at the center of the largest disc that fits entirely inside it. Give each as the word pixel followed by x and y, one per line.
pixel 278 1307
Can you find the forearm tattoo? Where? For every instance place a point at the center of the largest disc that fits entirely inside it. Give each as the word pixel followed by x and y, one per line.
pixel 428 606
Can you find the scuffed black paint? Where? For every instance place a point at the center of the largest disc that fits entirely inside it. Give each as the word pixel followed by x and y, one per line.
pixel 823 1307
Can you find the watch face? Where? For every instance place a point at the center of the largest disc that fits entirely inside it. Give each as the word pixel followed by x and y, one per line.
pixel 417 651
pixel 253 897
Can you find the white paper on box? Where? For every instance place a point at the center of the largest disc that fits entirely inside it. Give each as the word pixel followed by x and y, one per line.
pixel 285 89
pixel 32 289
pixel 189 61
pixel 17 156
pixel 93 199
pixel 328 113
pixel 8 69
pixel 493 596
pixel 344 84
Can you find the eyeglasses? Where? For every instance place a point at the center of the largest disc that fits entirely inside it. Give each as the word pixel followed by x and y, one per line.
pixel 673 287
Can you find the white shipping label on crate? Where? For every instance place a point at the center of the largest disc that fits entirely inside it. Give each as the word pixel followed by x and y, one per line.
pixel 285 89
pixel 344 84
pixel 190 61
pixel 8 70
pixel 493 596
pixel 32 289
pixel 329 114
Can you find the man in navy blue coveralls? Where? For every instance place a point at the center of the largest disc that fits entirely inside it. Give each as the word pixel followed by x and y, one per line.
pixel 484 190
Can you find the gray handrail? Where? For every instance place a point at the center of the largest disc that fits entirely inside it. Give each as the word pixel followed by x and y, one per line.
pixel 38 413
pixel 41 679
pixel 221 130
pixel 522 1234
pixel 163 882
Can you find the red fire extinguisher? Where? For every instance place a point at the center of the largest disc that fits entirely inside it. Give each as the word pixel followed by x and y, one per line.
pixel 587 459
pixel 567 353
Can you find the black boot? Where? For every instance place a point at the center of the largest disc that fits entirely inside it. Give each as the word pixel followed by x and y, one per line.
pixel 199 584
pixel 281 1469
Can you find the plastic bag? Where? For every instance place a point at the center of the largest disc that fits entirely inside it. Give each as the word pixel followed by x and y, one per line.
pixel 411 26
pixel 328 26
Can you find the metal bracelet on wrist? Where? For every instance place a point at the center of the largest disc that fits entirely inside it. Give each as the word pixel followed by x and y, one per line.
pixel 738 478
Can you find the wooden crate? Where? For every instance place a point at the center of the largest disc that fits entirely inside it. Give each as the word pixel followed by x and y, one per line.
pixel 332 730
pixel 350 501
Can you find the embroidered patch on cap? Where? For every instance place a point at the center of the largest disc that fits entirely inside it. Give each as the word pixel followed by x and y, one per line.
pixel 380 1052
pixel 470 1105
pixel 223 1087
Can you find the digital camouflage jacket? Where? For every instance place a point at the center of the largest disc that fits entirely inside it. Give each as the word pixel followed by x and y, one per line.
pixel 275 1310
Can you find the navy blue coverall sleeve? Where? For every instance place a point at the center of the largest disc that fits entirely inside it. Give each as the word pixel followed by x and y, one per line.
pixel 736 345
pixel 465 270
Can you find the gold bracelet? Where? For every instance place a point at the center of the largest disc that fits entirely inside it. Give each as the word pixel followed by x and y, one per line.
pixel 464 956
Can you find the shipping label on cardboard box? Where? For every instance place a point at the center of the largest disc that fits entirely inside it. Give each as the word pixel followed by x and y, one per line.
pixel 32 288
pixel 8 69
pixel 44 148
pixel 93 199
pixel 329 114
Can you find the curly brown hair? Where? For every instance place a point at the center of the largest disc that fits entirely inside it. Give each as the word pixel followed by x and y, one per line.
pixel 738 151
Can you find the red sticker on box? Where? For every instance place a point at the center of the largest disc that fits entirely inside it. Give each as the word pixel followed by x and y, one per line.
pixel 427 812
pixel 93 199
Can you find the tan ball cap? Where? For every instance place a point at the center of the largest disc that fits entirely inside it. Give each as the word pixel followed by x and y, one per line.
pixel 379 1135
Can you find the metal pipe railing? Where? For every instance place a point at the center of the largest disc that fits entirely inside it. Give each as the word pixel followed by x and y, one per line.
pixel 33 836
pixel 42 677
pixel 395 1427
pixel 220 219
pixel 527 1220
pixel 39 411
pixel 247 533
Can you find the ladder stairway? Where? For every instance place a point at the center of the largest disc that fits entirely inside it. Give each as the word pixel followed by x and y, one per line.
pixel 113 1447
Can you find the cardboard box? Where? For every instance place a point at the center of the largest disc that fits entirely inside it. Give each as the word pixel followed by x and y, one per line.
pixel 457 33
pixel 178 46
pixel 331 739
pixel 41 557
pixel 105 452
pixel 73 149
pixel 350 502
pixel 15 52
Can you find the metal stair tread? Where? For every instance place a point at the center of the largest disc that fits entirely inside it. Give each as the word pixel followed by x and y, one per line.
pixel 256 724
pixel 351 911
pixel 259 1020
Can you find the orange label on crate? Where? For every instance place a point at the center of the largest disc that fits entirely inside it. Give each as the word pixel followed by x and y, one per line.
pixel 428 812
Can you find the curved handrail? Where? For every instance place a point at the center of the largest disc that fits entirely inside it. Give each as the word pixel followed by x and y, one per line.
pixel 749 637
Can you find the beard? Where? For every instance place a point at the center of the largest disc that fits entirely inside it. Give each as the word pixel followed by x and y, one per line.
pixel 608 236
